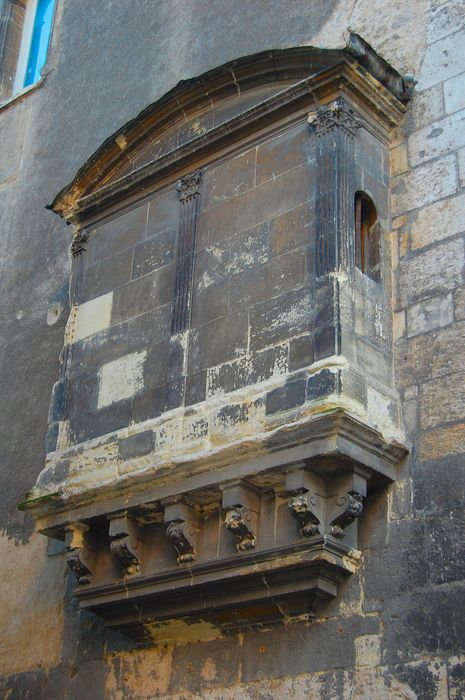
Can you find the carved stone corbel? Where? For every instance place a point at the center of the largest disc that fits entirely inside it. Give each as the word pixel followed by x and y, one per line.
pixel 301 508
pixel 127 542
pixel 238 520
pixel 80 556
pixel 240 508
pixel 181 530
pixel 352 506
pixel 345 501
pixel 306 494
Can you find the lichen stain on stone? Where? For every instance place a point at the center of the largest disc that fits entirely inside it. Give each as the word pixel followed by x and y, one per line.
pixel 140 675
pixel 180 633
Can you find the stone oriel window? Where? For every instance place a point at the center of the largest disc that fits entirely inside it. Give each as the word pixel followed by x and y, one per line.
pixel 225 403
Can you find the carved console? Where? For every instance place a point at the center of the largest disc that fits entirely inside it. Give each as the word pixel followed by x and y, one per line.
pixel 225 404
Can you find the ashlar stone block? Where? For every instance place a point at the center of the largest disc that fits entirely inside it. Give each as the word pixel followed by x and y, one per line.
pixel 121 378
pixel 94 316
pixel 430 315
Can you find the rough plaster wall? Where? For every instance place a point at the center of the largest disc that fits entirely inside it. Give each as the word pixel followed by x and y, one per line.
pixel 398 635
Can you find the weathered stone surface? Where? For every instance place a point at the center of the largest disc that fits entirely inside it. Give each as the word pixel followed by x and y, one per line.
pixel 229 179
pixel 291 395
pixel 454 97
pixel 443 59
pixel 105 275
pixel 425 184
pixel 461 164
pixel 207 346
pixel 429 315
pixel 283 153
pixel 434 271
pixel 121 378
pixel 136 445
pixel 437 139
pixel 153 253
pixel 280 318
pixel 442 400
pixel 118 234
pixel 248 370
pixel 437 221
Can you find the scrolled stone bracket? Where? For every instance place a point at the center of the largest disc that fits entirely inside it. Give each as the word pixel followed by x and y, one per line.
pixel 306 493
pixel 80 555
pixel 352 506
pixel 127 540
pixel 181 529
pixel 344 501
pixel 240 508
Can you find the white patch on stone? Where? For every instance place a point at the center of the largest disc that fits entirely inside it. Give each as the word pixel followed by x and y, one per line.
pixel 380 409
pixel 121 379
pixel 93 316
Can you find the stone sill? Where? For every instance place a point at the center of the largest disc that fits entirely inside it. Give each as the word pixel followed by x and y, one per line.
pixel 17 97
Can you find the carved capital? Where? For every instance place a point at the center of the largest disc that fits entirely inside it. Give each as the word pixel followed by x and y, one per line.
pixel 301 508
pixel 336 114
pixel 181 535
pixel 350 505
pixel 189 186
pixel 127 542
pixel 79 557
pixel 238 520
pixel 78 244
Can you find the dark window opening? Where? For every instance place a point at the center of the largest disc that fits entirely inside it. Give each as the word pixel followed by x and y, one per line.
pixel 367 253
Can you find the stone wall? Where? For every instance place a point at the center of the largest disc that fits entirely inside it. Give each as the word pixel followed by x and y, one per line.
pixel 396 629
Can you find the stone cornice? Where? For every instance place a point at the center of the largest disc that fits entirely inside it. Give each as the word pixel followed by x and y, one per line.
pixel 332 431
pixel 334 72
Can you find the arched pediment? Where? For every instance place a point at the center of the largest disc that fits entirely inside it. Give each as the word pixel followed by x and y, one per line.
pixel 206 111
